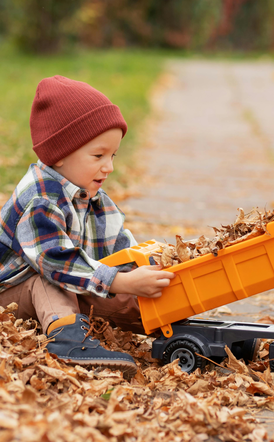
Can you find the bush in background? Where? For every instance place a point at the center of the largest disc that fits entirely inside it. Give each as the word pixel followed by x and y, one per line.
pixel 49 25
pixel 36 25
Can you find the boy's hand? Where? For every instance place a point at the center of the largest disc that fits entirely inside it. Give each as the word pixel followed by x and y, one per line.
pixel 145 281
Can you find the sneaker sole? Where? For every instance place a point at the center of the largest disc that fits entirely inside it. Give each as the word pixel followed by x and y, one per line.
pixel 129 369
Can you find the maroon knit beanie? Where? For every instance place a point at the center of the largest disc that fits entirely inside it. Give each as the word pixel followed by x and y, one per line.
pixel 66 114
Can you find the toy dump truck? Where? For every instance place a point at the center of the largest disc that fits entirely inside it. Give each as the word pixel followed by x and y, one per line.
pixel 201 284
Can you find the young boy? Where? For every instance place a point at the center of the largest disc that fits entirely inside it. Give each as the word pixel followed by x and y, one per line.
pixel 59 223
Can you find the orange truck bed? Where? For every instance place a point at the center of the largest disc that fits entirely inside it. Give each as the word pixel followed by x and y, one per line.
pixel 204 283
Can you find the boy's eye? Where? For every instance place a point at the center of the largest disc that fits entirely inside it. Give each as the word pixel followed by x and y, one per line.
pixel 100 155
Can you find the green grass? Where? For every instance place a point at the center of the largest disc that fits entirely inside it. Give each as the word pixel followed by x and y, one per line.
pixel 124 76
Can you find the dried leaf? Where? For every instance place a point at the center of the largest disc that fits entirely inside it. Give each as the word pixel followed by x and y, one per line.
pixel 234 363
pixel 223 310
pixel 11 308
pixel 240 218
pixel 261 388
pixel 167 256
pixel 182 249
pixel 266 320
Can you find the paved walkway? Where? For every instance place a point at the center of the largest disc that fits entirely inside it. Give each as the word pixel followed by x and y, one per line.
pixel 210 150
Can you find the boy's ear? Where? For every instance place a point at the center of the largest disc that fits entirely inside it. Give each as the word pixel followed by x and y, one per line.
pixel 59 163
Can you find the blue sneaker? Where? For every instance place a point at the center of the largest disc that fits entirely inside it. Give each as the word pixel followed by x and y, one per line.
pixel 70 340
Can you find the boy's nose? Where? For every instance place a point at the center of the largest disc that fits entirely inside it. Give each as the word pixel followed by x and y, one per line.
pixel 108 167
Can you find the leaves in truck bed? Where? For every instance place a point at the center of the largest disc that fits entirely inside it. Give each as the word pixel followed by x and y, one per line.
pixel 246 226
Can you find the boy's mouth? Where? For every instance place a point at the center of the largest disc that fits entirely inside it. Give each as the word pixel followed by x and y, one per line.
pixel 99 181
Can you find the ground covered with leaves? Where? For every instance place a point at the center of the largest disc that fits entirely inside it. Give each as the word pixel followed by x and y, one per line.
pixel 44 399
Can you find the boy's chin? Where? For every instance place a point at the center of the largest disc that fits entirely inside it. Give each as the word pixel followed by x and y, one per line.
pixel 93 193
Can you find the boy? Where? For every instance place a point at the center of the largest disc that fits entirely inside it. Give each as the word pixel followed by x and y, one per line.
pixel 59 223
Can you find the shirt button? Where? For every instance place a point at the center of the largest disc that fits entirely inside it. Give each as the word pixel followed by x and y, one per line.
pixel 83 194
pixel 99 288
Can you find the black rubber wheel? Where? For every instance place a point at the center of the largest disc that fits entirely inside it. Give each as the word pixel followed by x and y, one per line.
pixel 185 351
pixel 246 350
pixel 250 349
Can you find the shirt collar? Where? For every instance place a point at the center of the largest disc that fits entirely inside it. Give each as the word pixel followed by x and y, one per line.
pixel 72 190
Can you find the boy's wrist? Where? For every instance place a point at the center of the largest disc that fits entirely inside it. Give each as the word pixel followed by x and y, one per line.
pixel 120 283
pixel 101 281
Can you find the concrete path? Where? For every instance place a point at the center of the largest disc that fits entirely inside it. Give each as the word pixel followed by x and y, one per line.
pixel 208 150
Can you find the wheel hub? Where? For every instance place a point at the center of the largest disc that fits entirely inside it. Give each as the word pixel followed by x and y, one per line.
pixel 186 359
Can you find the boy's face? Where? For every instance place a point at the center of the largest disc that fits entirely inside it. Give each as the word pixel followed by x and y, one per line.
pixel 89 166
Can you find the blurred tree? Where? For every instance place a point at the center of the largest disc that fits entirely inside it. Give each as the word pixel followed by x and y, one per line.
pixel 36 25
pixel 3 16
pixel 156 23
pixel 43 25
pixel 194 25
pixel 245 24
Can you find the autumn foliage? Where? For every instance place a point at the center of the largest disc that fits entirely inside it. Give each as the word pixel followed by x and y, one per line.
pixel 181 24
pixel 44 399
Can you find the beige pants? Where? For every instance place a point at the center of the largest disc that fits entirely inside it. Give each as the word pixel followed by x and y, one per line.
pixel 39 299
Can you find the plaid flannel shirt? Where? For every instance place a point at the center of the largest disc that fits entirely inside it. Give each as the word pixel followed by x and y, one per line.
pixel 53 227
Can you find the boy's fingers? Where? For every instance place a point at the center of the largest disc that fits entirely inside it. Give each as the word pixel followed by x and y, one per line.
pixel 156 295
pixel 153 295
pixel 163 282
pixel 160 272
pixel 166 275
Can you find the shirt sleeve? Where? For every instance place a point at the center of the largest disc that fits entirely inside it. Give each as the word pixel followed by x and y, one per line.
pixel 41 240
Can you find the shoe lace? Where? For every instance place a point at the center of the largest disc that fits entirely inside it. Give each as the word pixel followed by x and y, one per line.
pixel 93 325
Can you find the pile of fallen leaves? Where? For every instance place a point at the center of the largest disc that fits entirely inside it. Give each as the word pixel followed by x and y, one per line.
pixel 246 226
pixel 44 399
